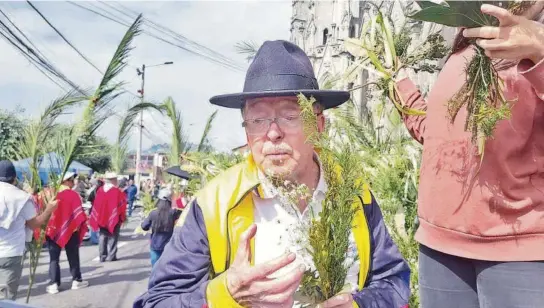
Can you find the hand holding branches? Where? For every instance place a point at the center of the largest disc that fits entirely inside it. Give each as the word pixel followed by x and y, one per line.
pixel 252 286
pixel 515 38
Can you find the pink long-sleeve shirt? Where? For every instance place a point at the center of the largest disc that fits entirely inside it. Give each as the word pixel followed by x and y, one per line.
pixel 493 210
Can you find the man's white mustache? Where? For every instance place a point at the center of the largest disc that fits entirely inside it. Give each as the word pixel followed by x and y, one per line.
pixel 281 148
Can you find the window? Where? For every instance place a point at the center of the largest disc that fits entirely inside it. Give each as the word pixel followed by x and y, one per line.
pixel 325 35
pixel 352 31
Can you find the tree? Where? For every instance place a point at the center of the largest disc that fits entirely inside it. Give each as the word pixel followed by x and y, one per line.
pixel 11 132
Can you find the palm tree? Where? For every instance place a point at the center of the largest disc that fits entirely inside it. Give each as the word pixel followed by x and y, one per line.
pixel 203 145
pixel 73 144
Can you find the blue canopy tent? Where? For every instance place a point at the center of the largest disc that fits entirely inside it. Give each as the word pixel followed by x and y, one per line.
pixel 50 163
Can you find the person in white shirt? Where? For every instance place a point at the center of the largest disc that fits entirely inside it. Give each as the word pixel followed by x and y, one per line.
pixel 17 214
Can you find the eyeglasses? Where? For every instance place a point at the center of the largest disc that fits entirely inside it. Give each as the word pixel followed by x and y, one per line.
pixel 261 126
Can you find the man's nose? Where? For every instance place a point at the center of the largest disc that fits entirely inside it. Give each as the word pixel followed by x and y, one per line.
pixel 274 132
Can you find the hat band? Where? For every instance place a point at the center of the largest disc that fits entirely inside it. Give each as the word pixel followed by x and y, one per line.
pixel 280 83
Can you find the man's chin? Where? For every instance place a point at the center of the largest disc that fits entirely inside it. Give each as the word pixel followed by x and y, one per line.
pixel 275 171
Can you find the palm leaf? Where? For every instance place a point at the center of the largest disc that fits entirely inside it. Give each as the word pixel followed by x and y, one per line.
pixel 247 48
pixel 120 149
pixel 204 139
pixel 36 134
pixel 466 14
pixel 179 140
pixel 96 111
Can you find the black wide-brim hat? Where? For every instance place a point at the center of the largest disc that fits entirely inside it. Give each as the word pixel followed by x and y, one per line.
pixel 281 68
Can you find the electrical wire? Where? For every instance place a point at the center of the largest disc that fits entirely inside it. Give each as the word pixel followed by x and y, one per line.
pixel 185 48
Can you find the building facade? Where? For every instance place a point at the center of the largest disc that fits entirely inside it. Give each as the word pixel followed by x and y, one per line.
pixel 320 28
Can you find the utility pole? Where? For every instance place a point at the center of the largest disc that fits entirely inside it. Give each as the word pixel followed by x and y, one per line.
pixel 140 128
pixel 141 121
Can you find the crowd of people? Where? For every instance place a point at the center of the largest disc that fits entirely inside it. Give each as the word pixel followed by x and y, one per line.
pixel 23 213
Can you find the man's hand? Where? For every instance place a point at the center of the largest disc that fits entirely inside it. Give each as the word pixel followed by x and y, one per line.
pixel 250 286
pixel 516 38
pixel 51 205
pixel 342 300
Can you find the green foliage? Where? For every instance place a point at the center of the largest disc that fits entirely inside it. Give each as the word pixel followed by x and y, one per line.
pixel 464 14
pixel 384 50
pixel 11 132
pixel 329 233
pixel 204 166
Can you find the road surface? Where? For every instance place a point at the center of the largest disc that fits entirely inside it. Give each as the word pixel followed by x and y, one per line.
pixel 112 284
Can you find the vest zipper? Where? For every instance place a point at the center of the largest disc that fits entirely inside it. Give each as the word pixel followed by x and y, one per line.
pixel 227 262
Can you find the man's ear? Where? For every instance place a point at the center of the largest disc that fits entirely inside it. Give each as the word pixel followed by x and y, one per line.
pixel 321 123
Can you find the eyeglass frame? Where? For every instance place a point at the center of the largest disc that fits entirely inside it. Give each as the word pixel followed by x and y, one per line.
pixel 270 121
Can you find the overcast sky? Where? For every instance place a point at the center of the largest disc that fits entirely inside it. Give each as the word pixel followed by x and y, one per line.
pixel 190 81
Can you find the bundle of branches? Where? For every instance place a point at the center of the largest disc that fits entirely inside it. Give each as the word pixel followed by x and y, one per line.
pixel 384 50
pixel 482 93
pixel 329 231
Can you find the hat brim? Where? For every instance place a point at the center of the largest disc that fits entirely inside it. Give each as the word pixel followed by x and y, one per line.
pixel 327 98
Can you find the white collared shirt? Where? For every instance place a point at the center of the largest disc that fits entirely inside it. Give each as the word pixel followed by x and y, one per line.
pixel 279 229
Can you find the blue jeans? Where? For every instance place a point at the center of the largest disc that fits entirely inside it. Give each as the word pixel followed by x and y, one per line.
pixel 448 281
pixel 155 255
pixel 130 207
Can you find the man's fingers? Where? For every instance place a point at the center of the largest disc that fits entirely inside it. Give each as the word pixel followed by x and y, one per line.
pixel 339 300
pixel 504 16
pixel 263 270
pixel 285 283
pixel 244 247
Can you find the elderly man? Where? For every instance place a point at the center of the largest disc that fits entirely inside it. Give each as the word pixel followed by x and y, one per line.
pixel 66 229
pixel 229 250
pixel 17 213
pixel 108 214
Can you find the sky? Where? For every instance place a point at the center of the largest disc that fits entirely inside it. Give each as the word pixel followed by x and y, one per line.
pixel 190 81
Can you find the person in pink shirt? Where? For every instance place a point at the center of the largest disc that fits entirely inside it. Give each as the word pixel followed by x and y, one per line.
pixel 482 221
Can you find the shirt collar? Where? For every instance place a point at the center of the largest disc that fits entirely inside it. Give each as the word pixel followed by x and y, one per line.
pixel 269 191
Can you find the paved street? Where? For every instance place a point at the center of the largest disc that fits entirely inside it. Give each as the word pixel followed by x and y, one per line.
pixel 112 284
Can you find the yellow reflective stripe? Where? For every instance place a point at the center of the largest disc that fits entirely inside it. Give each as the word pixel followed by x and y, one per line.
pixel 242 218
pixel 361 233
pixel 354 304
pixel 217 294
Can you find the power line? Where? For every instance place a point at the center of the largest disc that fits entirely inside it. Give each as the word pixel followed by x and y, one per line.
pixel 172 33
pixel 31 54
pixel 185 48
pixel 63 37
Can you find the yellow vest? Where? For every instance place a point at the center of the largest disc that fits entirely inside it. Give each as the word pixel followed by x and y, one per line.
pixel 227 207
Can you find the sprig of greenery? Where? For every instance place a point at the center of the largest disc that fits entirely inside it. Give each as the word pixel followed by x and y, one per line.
pixel 329 233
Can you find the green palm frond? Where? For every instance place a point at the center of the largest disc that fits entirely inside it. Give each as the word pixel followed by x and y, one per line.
pixel 107 89
pixel 179 140
pixel 97 110
pixel 249 49
pixel 37 133
pixel 204 139
pixel 120 149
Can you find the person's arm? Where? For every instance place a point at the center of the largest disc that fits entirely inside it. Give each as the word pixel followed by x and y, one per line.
pixel 180 277
pixel 388 284
pixel 146 224
pixel 411 97
pixel 534 73
pixel 35 222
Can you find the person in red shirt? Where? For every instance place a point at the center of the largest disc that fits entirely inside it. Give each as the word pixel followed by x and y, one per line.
pixel 107 215
pixel 66 229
